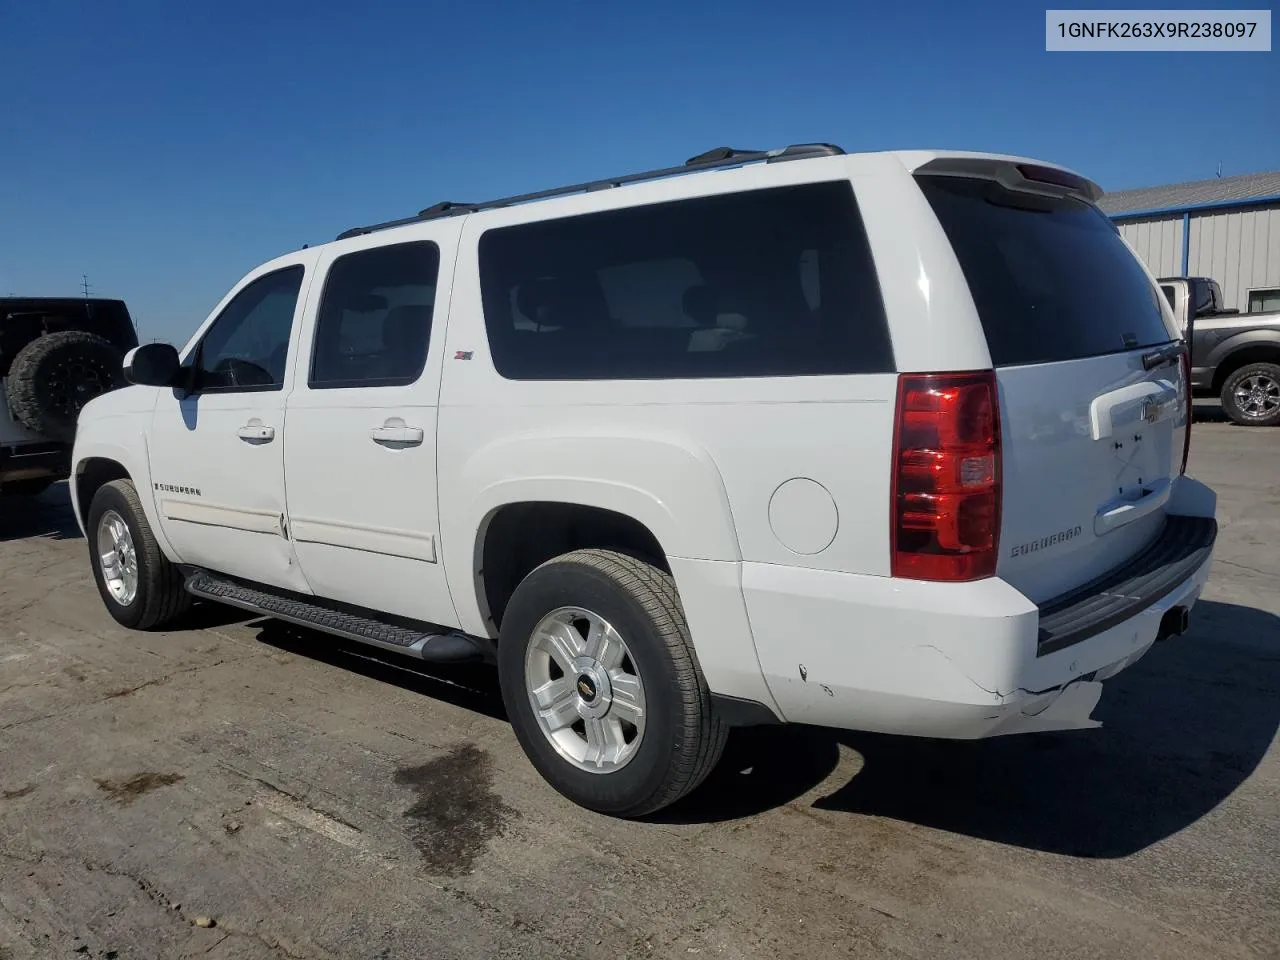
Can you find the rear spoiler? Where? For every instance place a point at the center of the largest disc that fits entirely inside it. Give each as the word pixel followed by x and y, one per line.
pixel 1025 176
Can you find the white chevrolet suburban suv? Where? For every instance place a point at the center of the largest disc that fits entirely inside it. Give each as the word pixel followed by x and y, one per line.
pixel 890 442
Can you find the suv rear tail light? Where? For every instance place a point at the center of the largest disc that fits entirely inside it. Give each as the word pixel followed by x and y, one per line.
pixel 945 512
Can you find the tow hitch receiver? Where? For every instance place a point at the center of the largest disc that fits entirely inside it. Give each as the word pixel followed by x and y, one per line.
pixel 1173 623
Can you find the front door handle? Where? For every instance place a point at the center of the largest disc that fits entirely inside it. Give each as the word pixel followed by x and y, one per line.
pixel 255 431
pixel 396 431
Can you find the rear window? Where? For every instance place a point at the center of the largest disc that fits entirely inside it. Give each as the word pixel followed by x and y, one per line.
pixel 774 282
pixel 1051 278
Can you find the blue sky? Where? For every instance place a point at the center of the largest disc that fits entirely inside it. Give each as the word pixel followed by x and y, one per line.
pixel 164 149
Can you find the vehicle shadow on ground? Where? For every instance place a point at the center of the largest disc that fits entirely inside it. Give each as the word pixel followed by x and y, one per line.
pixel 470 686
pixel 762 767
pixel 1182 729
pixel 210 616
pixel 47 515
pixel 1208 412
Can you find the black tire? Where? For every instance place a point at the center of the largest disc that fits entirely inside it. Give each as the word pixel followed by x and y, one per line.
pixel 27 487
pixel 55 375
pixel 683 738
pixel 1263 408
pixel 161 597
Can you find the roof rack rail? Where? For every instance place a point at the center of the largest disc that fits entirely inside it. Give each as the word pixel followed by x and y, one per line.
pixel 447 207
pixel 716 154
pixel 717 157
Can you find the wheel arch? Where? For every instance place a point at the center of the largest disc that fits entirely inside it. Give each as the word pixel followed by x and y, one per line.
pixel 95 463
pixel 515 538
pixel 658 489
pixel 1252 346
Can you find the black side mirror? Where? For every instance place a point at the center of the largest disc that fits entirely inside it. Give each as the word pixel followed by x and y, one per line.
pixel 152 365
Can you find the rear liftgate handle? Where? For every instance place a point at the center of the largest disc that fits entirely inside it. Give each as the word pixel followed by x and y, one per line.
pixel 395 432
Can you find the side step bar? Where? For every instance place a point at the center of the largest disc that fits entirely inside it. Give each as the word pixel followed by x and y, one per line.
pixel 442 646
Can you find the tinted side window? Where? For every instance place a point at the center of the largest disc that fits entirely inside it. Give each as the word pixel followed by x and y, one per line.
pixel 246 345
pixel 774 282
pixel 1051 279
pixel 374 322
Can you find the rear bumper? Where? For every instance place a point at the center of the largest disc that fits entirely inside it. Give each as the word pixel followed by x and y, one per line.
pixel 957 660
pixel 29 461
pixel 1183 547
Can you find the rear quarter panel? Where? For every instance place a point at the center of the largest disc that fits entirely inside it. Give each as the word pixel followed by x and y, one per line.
pixel 698 461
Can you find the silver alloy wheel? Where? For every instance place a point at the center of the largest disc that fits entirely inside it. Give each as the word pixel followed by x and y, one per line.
pixel 1257 396
pixel 585 690
pixel 118 558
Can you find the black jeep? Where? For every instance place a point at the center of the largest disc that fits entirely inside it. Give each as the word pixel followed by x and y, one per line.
pixel 56 354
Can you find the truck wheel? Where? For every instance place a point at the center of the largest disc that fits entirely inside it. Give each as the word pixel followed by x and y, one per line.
pixel 55 375
pixel 141 588
pixel 1251 395
pixel 601 684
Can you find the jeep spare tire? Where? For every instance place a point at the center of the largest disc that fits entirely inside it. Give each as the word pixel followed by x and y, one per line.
pixel 55 375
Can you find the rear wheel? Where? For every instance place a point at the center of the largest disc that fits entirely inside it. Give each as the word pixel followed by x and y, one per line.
pixel 140 587
pixel 601 684
pixel 1251 395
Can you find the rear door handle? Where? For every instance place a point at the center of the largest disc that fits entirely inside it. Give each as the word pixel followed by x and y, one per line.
pixel 396 431
pixel 255 431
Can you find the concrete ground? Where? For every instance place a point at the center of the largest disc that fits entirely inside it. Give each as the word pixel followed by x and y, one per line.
pixel 311 799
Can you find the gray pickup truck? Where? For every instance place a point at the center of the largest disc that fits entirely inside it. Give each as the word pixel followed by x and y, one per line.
pixel 1234 356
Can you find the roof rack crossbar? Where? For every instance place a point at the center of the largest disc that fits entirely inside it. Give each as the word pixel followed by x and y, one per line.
pixel 711 159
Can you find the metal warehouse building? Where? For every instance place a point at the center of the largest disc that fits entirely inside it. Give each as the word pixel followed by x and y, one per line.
pixel 1227 228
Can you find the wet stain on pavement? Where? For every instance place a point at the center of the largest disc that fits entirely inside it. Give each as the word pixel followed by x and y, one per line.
pixel 456 813
pixel 19 792
pixel 124 792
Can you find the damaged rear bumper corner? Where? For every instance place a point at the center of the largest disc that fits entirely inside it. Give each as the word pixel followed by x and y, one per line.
pixel 937 660
pixel 1067 708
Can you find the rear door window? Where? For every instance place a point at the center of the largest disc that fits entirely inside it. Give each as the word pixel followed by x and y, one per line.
pixel 775 282
pixel 373 328
pixel 1051 278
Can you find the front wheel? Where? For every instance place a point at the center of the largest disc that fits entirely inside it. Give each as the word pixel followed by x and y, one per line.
pixel 138 584
pixel 1251 395
pixel 601 684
